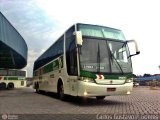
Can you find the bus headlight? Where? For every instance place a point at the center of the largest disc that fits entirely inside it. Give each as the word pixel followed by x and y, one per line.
pixel 129 80
pixel 86 79
pixel 85 93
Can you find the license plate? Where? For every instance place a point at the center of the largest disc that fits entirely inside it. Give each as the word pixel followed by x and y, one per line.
pixel 111 89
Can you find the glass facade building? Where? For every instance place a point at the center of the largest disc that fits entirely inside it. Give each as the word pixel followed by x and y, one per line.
pixel 13 48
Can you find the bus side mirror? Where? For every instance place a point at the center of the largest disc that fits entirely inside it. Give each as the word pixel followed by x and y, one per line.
pixel 136 48
pixel 79 38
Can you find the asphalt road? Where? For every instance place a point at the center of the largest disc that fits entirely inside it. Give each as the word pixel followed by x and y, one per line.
pixel 24 103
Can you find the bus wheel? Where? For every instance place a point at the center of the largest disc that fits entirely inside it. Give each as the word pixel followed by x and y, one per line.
pixel 100 97
pixel 3 86
pixel 37 87
pixel 10 86
pixel 61 92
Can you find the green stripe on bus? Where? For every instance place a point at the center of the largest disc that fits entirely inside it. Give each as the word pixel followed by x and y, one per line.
pixel 55 65
pixel 10 78
pixel 87 74
pixel 48 68
pixel 92 75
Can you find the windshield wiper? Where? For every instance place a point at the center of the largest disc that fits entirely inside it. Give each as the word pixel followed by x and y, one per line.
pixel 112 57
pixel 111 54
pixel 124 44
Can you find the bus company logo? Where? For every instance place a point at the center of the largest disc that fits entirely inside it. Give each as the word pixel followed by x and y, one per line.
pixel 100 77
pixel 111 81
pixel 4 116
pixel 60 62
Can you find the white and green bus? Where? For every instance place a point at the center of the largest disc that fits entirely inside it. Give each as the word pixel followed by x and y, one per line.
pixel 87 61
pixel 10 79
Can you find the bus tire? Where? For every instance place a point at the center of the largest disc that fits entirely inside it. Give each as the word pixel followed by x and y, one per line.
pixel 100 97
pixel 10 86
pixel 37 87
pixel 3 86
pixel 61 94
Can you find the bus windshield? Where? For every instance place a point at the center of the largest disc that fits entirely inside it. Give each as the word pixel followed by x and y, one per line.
pixel 104 56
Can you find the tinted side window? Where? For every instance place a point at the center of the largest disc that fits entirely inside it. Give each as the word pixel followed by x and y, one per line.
pixel 54 51
pixel 69 35
pixel 57 49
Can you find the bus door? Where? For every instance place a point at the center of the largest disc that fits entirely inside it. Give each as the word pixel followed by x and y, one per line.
pixel 73 85
pixel 71 60
pixel 72 69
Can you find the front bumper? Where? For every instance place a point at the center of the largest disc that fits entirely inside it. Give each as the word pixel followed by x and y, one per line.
pixel 92 89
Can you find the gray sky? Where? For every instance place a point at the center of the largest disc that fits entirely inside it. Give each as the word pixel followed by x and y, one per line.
pixel 41 22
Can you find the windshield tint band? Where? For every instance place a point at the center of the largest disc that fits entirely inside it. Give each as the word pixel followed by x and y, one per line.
pixel 100 31
pixel 99 38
